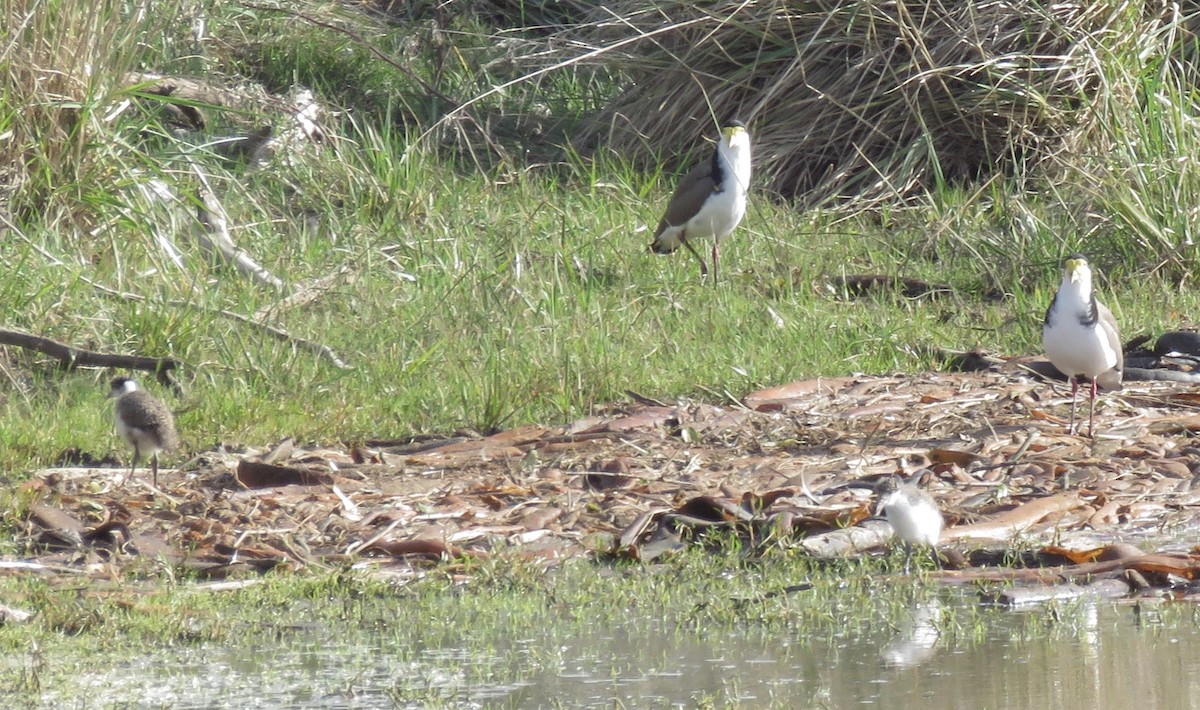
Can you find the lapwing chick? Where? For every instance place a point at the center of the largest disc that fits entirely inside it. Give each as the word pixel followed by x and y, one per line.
pixel 144 422
pixel 1080 337
pixel 912 513
pixel 710 201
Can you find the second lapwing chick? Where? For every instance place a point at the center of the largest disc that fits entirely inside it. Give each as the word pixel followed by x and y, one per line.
pixel 912 513
pixel 1080 337
pixel 710 201
pixel 144 422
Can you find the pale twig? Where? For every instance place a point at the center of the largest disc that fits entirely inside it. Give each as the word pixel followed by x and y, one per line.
pixel 213 235
pixel 304 295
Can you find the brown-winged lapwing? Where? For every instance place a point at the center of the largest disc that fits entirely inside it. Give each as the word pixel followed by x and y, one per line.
pixel 144 422
pixel 710 201
pixel 1080 337
pixel 912 513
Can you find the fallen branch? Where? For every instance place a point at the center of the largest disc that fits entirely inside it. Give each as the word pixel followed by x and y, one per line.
pixel 226 586
pixel 867 535
pixel 1011 523
pixel 28 565
pixel 277 333
pixel 1027 596
pixel 71 357
pixel 1151 564
pixel 13 615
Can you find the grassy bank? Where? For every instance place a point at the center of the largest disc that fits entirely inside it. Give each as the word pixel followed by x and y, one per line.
pixel 531 301
pixel 479 272
pixel 472 286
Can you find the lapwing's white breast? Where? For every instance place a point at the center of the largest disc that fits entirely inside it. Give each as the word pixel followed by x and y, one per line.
pixel 724 210
pixel 1073 345
pixel 913 516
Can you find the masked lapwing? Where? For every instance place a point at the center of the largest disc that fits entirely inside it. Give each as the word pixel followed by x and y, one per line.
pixel 144 422
pixel 1080 337
pixel 912 513
pixel 710 201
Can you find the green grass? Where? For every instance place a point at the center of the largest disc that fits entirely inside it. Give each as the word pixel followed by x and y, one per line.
pixel 493 306
pixel 491 300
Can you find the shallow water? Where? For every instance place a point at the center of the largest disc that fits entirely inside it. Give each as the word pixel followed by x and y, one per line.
pixel 1095 656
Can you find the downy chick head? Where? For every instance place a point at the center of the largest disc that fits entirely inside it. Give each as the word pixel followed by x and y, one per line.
pixel 122 386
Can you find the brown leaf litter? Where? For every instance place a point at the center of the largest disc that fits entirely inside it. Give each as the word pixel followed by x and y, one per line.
pixel 792 467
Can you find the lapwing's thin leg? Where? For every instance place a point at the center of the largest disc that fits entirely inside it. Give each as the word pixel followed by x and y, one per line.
pixel 132 466
pixel 154 468
pixel 1092 411
pixel 714 261
pixel 692 249
pixel 1074 389
pixel 907 556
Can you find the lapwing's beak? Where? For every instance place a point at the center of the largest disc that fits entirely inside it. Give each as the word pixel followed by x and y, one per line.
pixel 1075 269
pixel 731 131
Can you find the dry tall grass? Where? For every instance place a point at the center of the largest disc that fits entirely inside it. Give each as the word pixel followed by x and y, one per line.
pixel 59 63
pixel 859 102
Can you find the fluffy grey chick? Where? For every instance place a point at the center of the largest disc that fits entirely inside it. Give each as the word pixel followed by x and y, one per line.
pixel 144 422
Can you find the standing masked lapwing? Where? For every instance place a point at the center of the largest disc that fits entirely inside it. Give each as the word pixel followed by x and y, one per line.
pixel 711 200
pixel 912 513
pixel 144 422
pixel 1080 337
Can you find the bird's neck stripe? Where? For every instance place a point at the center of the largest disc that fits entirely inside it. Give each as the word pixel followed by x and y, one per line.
pixel 1091 315
pixel 718 171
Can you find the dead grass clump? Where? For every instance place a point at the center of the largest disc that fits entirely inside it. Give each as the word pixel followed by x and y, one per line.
pixel 60 62
pixel 855 101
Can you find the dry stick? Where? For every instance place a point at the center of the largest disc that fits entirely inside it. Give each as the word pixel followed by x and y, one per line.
pixel 306 294
pixel 1163 563
pixel 806 490
pixel 162 494
pixel 213 235
pixel 355 548
pixel 1009 524
pixel 277 333
pixel 212 219
pixel 1014 460
pixel 72 357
